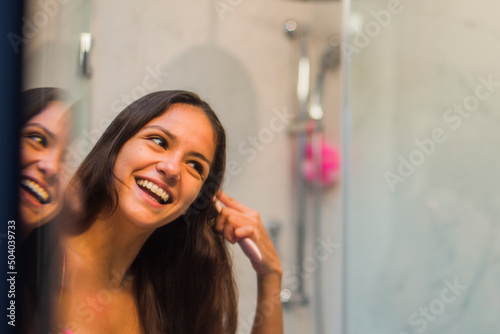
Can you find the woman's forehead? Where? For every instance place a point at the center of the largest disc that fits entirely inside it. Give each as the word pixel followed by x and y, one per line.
pixel 188 124
pixel 54 112
pixel 184 117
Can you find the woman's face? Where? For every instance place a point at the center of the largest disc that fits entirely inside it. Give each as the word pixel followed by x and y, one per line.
pixel 162 168
pixel 43 141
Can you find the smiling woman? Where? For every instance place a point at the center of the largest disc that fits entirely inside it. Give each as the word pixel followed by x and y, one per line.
pixel 147 253
pixel 177 146
pixel 44 136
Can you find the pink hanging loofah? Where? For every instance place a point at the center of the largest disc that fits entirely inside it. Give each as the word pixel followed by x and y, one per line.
pixel 330 164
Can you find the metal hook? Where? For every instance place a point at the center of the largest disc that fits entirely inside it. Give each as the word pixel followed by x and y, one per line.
pixel 85 47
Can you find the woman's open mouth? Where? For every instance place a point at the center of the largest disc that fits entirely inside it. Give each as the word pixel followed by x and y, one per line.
pixel 36 190
pixel 154 191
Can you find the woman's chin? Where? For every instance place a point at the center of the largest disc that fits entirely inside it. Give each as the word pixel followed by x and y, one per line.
pixel 146 220
pixel 36 217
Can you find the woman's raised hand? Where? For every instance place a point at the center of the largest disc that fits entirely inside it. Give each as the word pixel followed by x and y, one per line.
pixel 240 224
pixel 237 222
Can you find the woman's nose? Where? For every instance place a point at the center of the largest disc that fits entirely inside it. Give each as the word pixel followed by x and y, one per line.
pixel 49 163
pixel 48 166
pixel 170 167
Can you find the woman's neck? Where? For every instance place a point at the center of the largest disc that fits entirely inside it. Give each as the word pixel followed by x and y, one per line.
pixel 106 250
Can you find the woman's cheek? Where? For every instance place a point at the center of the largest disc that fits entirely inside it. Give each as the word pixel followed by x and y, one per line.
pixel 25 154
pixel 195 193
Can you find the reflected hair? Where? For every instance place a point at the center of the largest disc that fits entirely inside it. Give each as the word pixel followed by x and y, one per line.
pixel 35 100
pixel 183 281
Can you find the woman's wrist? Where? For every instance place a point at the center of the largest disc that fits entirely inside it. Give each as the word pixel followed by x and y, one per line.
pixel 270 282
pixel 271 275
pixel 269 317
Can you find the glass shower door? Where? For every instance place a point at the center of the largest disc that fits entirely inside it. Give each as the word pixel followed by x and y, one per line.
pixel 421 230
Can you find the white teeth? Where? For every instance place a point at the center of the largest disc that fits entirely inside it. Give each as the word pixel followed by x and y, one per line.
pixel 36 188
pixel 154 188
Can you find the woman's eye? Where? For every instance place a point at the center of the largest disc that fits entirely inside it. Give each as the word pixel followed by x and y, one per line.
pixel 197 166
pixel 38 138
pixel 159 141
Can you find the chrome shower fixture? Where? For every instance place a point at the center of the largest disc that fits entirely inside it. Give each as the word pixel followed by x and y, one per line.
pixel 307 129
pixel 293 31
pixel 303 85
pixel 329 60
pixel 290 28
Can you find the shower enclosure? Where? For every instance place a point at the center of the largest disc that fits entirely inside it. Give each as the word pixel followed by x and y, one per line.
pixel 422 230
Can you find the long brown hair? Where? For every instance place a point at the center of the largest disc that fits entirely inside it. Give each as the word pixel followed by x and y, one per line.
pixel 183 281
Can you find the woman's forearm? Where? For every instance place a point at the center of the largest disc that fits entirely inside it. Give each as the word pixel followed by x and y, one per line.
pixel 238 222
pixel 268 316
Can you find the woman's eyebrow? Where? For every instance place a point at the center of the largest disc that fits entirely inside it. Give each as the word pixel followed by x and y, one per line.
pixel 174 139
pixel 165 131
pixel 201 156
pixel 49 133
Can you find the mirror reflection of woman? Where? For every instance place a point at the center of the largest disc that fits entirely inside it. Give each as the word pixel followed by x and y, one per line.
pixel 44 135
pixel 148 253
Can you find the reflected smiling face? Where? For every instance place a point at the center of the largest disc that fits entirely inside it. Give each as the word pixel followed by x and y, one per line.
pixel 43 141
pixel 161 169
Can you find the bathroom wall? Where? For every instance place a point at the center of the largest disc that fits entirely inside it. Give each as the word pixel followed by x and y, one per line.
pixel 236 55
pixel 51 44
pixel 422 215
pixel 50 49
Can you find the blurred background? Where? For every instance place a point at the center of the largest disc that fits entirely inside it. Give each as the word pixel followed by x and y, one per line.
pixel 405 239
pixel 422 216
